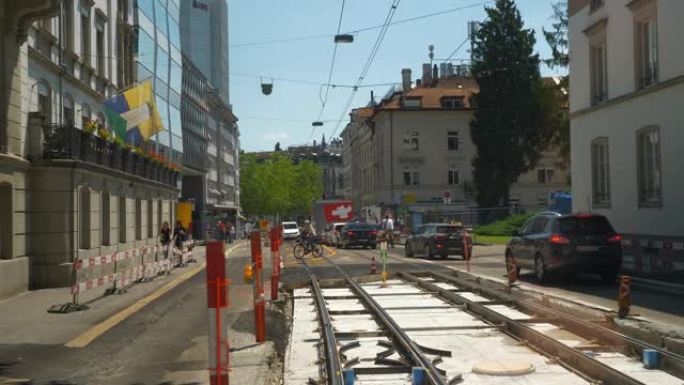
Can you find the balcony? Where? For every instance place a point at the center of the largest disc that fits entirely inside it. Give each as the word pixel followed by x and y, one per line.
pixel 67 142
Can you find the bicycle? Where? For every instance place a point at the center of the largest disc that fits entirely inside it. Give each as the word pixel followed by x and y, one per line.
pixel 304 247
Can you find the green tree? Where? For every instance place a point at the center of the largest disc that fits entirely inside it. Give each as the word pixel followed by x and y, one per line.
pixel 506 125
pixel 557 39
pixel 308 186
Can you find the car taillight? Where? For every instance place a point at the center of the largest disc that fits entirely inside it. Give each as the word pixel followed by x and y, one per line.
pixel 374 232
pixel 617 238
pixel 350 233
pixel 557 239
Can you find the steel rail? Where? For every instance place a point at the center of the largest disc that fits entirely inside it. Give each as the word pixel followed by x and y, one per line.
pixel 571 357
pixel 411 349
pixel 333 366
pixel 671 362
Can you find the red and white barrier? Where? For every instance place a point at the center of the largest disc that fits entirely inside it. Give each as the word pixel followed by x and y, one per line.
pixel 217 301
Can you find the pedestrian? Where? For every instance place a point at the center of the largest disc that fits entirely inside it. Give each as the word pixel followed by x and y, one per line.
pixel 165 238
pixel 388 227
pixel 231 233
pixel 179 234
pixel 220 230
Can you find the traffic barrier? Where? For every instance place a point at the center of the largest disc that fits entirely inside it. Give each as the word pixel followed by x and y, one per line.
pixel 512 270
pixel 624 296
pixel 259 299
pixel 217 302
pixel 276 241
pixel 373 266
pixel 116 270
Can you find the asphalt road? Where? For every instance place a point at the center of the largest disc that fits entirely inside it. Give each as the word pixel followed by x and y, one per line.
pixel 165 338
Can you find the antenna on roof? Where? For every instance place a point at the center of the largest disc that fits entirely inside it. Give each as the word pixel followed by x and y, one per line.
pixel 431 55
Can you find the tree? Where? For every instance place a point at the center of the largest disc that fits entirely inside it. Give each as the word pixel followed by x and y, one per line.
pixel 506 124
pixel 557 39
pixel 277 186
pixel 277 147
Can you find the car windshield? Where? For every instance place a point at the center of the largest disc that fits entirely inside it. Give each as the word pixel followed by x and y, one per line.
pixel 585 225
pixel 339 227
pixel 289 226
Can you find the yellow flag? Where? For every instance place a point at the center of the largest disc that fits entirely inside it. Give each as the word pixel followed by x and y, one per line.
pixel 142 110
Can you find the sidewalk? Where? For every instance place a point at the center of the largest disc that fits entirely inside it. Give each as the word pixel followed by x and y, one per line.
pixel 25 318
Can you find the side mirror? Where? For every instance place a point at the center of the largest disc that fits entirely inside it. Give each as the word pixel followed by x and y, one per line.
pixel 516 233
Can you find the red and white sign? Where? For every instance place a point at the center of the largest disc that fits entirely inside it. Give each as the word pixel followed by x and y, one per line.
pixel 338 211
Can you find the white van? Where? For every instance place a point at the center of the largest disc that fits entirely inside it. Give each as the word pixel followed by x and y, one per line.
pixel 290 230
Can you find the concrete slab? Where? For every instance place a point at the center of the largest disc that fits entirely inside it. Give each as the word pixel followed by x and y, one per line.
pixel 509 312
pixel 635 369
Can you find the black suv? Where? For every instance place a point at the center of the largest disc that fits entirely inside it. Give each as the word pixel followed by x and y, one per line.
pixel 358 234
pixel 567 244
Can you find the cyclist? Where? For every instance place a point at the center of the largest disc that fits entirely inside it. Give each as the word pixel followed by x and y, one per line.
pixel 307 233
pixel 388 228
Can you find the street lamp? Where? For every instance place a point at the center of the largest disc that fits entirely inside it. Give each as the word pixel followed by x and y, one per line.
pixel 344 38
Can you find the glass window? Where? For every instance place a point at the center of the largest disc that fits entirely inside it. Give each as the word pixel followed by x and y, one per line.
pixel 648 160
pixel 175 121
pixel 160 21
pixel 591 225
pixel 453 176
pixel 176 77
pixel 600 170
pixel 544 175
pixel 539 225
pixel 146 49
pixel 452 103
pixel 163 138
pixel 411 177
pixel 411 142
pixel 147 7
pixel 162 63
pixel 177 143
pixel 174 33
pixel 599 67
pixel 647 51
pixel 452 140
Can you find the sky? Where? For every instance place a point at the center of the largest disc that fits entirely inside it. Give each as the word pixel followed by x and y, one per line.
pixel 286 115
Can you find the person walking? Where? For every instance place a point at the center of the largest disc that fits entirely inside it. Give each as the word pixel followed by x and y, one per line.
pixel 165 238
pixel 220 231
pixel 388 227
pixel 231 233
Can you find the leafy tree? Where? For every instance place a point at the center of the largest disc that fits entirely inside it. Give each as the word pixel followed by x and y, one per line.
pixel 557 39
pixel 277 147
pixel 506 125
pixel 308 186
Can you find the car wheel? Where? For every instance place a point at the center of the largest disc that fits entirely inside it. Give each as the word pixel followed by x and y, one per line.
pixel 509 254
pixel 374 246
pixel 540 270
pixel 407 250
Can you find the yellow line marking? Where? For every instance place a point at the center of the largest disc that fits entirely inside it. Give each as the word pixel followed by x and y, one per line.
pixel 91 334
pixel 332 251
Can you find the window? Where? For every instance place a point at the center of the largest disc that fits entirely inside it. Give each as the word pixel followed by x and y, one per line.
pixel 646 46
pixel 411 176
pixel 46 24
pixel 452 140
pixel 122 219
pixel 648 165
pixel 138 220
pixel 105 224
pixel 147 7
pixel 68 110
pixel 598 67
pixel 452 103
pixel 412 103
pixel 85 30
pixel 454 176
pixel 600 172
pixel 100 46
pixel 44 100
pixel 411 141
pixel 85 115
pixel 544 175
pixel 84 218
pixel 539 225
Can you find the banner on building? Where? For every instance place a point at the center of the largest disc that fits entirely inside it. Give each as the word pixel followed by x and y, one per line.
pixel 133 114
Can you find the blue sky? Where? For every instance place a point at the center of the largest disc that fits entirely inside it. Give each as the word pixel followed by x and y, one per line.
pixel 285 116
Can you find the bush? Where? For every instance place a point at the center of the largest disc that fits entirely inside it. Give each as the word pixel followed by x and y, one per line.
pixel 504 227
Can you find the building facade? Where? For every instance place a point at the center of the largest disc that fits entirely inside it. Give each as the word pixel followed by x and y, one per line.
pixel 78 195
pixel 627 82
pixel 413 149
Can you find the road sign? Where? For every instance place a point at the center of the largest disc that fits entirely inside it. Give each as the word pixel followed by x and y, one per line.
pixel 338 211
pixel 263 224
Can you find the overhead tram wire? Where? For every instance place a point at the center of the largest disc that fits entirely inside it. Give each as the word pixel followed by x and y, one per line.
pixel 324 100
pixel 365 29
pixel 369 62
pixel 308 82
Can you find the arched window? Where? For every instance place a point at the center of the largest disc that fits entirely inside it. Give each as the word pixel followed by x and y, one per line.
pixel 44 100
pixel 68 113
pixel 86 115
pixel 84 218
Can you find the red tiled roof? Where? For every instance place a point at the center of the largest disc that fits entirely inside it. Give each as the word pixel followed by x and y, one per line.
pixel 431 96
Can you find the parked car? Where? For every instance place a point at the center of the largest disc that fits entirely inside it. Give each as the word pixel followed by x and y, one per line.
pixel 552 243
pixel 440 239
pixel 358 234
pixel 290 230
pixel 333 236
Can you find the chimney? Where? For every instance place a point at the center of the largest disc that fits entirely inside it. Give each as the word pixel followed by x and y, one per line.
pixel 406 79
pixel 435 72
pixel 418 82
pixel 427 73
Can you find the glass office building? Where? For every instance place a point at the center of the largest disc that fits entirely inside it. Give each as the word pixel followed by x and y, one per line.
pixel 159 59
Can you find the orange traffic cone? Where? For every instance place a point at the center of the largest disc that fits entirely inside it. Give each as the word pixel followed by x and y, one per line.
pixel 374 266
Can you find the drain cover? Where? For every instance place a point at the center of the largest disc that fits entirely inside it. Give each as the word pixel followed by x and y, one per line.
pixel 503 368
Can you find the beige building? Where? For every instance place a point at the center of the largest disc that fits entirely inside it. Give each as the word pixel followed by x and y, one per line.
pixel 627 87
pixel 414 147
pixel 66 195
